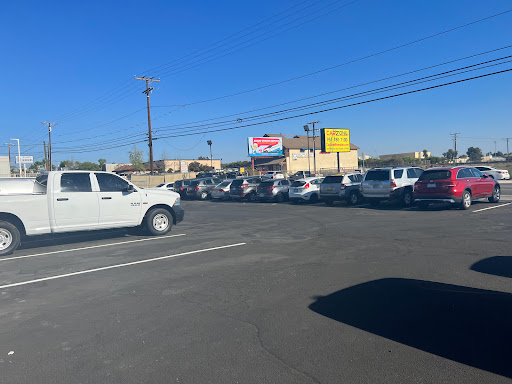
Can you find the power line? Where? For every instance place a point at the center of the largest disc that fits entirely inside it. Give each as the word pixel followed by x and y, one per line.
pixel 354 60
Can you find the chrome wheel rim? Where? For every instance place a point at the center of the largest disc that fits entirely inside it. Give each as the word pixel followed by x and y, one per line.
pixel 496 193
pixel 5 239
pixel 353 198
pixel 467 200
pixel 160 222
pixel 407 199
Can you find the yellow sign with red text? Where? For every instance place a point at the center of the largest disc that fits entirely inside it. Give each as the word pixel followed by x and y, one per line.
pixel 335 140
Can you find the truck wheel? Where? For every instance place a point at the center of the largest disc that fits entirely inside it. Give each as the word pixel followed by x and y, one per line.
pixel 158 221
pixel 9 238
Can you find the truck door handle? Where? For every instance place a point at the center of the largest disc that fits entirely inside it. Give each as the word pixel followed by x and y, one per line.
pixel 63 199
pixel 106 198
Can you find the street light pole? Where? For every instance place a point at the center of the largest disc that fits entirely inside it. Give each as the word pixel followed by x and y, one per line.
pixel 314 145
pixel 306 128
pixel 19 153
pixel 209 142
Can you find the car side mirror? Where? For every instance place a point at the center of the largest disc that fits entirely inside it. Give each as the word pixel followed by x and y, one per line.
pixel 486 175
pixel 129 188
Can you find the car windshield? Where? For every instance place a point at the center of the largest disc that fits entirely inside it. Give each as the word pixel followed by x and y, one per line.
pixel 298 183
pixel 266 184
pixel 224 184
pixel 160 185
pixel 333 180
pixel 436 175
pixel 194 184
pixel 377 175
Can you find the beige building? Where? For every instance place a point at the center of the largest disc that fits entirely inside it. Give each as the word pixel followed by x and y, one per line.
pixel 176 165
pixel 296 157
pixel 412 155
pixel 111 167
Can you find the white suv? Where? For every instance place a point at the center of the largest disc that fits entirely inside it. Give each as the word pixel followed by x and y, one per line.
pixel 390 184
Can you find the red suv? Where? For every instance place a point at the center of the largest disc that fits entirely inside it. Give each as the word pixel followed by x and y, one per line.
pixel 458 185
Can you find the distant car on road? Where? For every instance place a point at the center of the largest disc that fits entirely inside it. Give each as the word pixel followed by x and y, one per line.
pixel 341 187
pixel 457 185
pixel 221 191
pixel 273 175
pixel 301 175
pixel 307 189
pixel 395 183
pixel 275 190
pixel 496 174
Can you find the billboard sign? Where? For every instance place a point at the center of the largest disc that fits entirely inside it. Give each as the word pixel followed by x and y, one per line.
pixel 24 159
pixel 265 146
pixel 335 140
pixel 183 166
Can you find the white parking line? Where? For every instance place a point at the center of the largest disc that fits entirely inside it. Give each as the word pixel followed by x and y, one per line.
pixel 496 206
pixel 90 247
pixel 118 265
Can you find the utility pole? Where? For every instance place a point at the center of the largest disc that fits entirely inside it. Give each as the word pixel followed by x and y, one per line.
pixel 455 142
pixel 9 145
pixel 306 128
pixel 314 146
pixel 150 135
pixel 19 153
pixel 45 158
pixel 49 143
pixel 209 142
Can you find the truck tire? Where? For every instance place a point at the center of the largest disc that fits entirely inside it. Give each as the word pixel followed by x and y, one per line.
pixel 10 238
pixel 158 221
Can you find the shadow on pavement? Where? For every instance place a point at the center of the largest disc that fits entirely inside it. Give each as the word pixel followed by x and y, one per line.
pixel 497 265
pixel 467 325
pixel 75 237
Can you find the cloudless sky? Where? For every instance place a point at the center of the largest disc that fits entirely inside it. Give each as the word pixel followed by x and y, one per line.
pixel 73 63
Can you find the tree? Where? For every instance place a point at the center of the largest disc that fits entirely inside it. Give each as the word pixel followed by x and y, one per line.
pixel 102 162
pixel 196 167
pixel 88 166
pixel 451 154
pixel 65 164
pixel 425 153
pixel 203 158
pixel 474 154
pixel 136 159
pixel 36 165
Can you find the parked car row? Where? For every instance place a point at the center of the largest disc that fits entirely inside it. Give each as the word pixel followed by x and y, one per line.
pixel 405 185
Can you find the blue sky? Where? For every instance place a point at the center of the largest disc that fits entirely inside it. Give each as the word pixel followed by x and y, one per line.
pixel 74 62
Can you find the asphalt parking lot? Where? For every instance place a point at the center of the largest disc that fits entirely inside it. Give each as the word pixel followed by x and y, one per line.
pixel 267 293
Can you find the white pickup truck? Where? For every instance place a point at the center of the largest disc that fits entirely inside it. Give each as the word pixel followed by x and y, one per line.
pixel 78 201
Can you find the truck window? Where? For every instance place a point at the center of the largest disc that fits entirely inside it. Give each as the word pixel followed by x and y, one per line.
pixel 111 183
pixel 75 182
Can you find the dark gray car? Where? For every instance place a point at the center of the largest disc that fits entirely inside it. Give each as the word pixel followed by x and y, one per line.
pixel 180 186
pixel 202 188
pixel 244 188
pixel 273 190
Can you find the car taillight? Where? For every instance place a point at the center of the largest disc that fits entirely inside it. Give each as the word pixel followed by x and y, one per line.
pixel 342 186
pixel 306 186
pixel 197 188
pixel 500 171
pixel 221 190
pixel 451 185
pixel 272 187
pixel 181 188
pixel 392 184
pixel 243 186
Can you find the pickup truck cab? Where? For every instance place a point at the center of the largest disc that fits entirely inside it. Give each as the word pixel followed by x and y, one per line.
pixel 67 201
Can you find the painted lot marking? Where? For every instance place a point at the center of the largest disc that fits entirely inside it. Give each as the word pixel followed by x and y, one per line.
pixel 118 265
pixel 496 206
pixel 90 247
